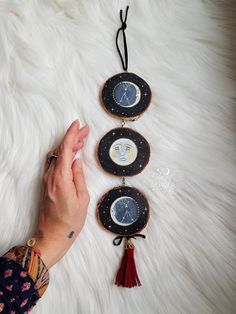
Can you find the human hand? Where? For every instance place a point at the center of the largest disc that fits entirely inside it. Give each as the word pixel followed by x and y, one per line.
pixel 65 199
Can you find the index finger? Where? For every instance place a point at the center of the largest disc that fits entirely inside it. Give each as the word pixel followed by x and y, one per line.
pixel 65 149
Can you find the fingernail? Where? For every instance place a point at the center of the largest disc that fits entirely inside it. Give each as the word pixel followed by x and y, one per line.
pixel 84 127
pixel 76 122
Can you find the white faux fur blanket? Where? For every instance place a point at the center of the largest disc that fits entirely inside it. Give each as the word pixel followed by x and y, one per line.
pixel 54 58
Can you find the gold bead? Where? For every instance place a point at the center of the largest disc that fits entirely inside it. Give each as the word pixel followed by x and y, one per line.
pixel 31 242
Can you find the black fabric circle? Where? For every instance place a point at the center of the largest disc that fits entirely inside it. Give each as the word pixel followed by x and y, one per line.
pixel 120 89
pixel 131 141
pixel 105 210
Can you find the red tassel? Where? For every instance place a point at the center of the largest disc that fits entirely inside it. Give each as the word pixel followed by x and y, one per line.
pixel 127 275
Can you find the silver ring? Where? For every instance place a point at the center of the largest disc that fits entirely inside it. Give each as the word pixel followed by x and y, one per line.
pixel 51 156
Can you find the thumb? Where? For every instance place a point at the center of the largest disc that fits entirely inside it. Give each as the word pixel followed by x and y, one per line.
pixel 78 177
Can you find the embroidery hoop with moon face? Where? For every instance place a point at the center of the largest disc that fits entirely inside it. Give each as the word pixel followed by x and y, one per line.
pixel 123 152
pixel 123 210
pixel 126 95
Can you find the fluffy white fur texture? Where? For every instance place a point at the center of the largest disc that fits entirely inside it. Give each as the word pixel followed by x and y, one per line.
pixel 54 59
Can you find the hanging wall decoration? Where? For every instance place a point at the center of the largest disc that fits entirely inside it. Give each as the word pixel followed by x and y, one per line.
pixel 124 210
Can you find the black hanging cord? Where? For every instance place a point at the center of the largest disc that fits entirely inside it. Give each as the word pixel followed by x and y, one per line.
pixel 118 240
pixel 122 28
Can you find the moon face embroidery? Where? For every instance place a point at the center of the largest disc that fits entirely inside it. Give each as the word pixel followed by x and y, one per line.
pixel 126 95
pixel 123 152
pixel 123 210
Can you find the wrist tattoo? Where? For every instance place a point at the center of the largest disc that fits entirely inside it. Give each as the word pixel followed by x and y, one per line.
pixel 70 234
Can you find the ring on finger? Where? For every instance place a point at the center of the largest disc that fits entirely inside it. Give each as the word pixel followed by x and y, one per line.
pixel 50 156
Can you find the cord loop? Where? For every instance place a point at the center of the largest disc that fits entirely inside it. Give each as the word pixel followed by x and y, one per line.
pixel 118 240
pixel 122 28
